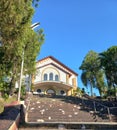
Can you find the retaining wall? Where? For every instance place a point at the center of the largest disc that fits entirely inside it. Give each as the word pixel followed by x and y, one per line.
pixel 12 115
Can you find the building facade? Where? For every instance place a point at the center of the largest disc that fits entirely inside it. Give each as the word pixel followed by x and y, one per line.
pixel 53 77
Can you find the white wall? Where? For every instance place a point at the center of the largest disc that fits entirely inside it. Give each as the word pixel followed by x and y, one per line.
pixel 48 69
pixel 45 66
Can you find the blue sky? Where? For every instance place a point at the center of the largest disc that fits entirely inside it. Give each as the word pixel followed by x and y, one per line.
pixel 74 27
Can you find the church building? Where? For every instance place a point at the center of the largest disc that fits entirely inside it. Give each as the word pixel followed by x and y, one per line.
pixel 53 77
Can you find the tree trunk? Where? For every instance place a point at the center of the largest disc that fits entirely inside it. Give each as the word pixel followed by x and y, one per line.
pixel 91 89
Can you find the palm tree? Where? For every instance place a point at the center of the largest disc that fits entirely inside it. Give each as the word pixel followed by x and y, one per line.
pixel 92 75
pixel 109 65
pixel 87 79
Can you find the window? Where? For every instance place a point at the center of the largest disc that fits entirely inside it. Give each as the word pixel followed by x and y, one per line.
pixel 45 77
pixel 62 92
pixel 56 78
pixel 39 90
pixel 51 76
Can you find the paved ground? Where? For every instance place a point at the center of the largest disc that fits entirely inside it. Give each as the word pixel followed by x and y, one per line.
pixel 58 109
pixel 45 110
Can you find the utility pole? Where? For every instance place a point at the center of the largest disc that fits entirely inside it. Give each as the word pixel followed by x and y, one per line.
pixel 22 64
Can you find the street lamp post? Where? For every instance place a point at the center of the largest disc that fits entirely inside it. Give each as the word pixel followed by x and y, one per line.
pixel 22 64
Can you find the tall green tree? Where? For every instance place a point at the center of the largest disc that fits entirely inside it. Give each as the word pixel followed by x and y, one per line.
pixel 109 65
pixel 92 75
pixel 16 37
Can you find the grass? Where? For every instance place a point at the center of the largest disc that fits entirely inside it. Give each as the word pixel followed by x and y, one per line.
pixel 3 102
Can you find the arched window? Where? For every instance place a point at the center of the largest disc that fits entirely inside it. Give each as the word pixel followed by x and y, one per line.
pixel 39 90
pixel 51 76
pixel 56 78
pixel 62 92
pixel 45 77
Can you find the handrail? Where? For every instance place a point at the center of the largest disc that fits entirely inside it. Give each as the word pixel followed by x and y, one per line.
pixel 107 107
pixel 98 102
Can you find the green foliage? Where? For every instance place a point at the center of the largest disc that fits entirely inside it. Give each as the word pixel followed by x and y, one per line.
pixel 91 61
pixel 4 89
pixel 23 92
pixel 100 71
pixel 109 65
pixel 17 37
pixel 32 48
pixel 92 75
pixel 35 2
pixel 83 91
pixel 77 92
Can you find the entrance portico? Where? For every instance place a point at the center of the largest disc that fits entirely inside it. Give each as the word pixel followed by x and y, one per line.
pixel 53 77
pixel 57 88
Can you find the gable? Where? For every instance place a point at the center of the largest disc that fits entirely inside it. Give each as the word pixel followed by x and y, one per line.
pixel 54 62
